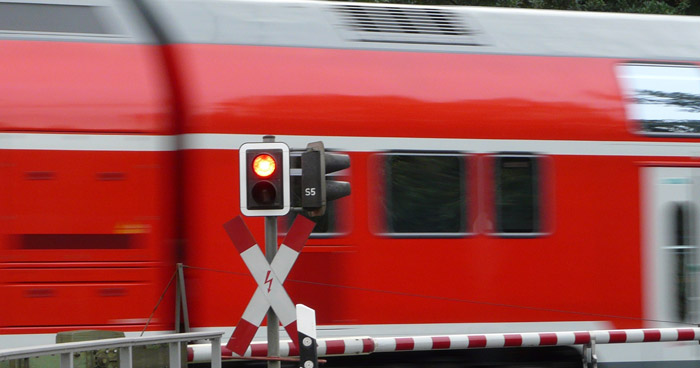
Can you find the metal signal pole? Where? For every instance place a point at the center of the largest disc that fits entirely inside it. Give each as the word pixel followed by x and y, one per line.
pixel 273 330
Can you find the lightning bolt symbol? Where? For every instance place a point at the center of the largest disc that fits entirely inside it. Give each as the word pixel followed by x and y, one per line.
pixel 268 280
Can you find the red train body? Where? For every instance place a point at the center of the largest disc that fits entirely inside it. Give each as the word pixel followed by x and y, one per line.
pixel 118 152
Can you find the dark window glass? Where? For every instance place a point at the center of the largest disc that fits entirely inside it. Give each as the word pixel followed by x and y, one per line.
pixel 682 255
pixel 426 193
pixel 327 224
pixel 51 18
pixel 76 241
pixel 517 195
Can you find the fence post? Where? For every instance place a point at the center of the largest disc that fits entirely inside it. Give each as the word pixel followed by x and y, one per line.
pixel 126 357
pixel 216 352
pixel 181 300
pixel 175 355
pixel 67 360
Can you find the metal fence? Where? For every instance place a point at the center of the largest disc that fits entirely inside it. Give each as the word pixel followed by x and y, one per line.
pixel 124 345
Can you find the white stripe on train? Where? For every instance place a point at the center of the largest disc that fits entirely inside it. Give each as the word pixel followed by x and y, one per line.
pixel 203 141
pixel 379 144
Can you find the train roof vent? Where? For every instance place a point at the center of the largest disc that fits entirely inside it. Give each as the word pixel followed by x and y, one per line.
pixel 404 24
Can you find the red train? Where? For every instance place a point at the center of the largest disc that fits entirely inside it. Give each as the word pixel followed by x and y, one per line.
pixel 512 170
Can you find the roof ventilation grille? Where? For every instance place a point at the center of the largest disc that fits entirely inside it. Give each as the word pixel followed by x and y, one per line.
pixel 405 25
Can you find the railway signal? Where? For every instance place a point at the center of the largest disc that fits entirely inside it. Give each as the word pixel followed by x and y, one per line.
pixel 316 188
pixel 264 176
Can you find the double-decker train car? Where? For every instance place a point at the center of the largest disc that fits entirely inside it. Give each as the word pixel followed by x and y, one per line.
pixel 512 170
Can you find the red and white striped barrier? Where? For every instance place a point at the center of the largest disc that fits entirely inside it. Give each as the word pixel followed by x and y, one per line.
pixel 367 345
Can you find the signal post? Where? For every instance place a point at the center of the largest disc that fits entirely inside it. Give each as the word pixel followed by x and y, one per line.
pixel 264 177
pixel 265 192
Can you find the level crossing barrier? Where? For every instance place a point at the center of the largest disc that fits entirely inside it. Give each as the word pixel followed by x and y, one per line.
pixel 367 345
pixel 124 345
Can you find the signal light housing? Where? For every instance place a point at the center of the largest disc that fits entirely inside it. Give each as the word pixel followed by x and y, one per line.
pixel 316 188
pixel 264 179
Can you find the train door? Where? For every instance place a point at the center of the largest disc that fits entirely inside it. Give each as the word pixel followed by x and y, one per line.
pixel 670 254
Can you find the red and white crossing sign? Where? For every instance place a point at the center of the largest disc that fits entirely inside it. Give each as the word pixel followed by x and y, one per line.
pixel 269 277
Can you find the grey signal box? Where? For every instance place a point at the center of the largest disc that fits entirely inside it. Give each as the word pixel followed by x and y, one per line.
pixel 316 189
pixel 312 180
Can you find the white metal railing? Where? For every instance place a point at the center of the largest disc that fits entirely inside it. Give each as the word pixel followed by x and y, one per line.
pixel 124 344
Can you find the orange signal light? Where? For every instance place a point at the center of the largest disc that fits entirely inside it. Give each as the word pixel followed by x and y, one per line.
pixel 264 165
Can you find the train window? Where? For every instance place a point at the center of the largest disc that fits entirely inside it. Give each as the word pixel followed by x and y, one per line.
pixel 683 252
pixel 517 195
pixel 662 99
pixel 52 18
pixel 426 194
pixel 326 225
pixel 332 223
